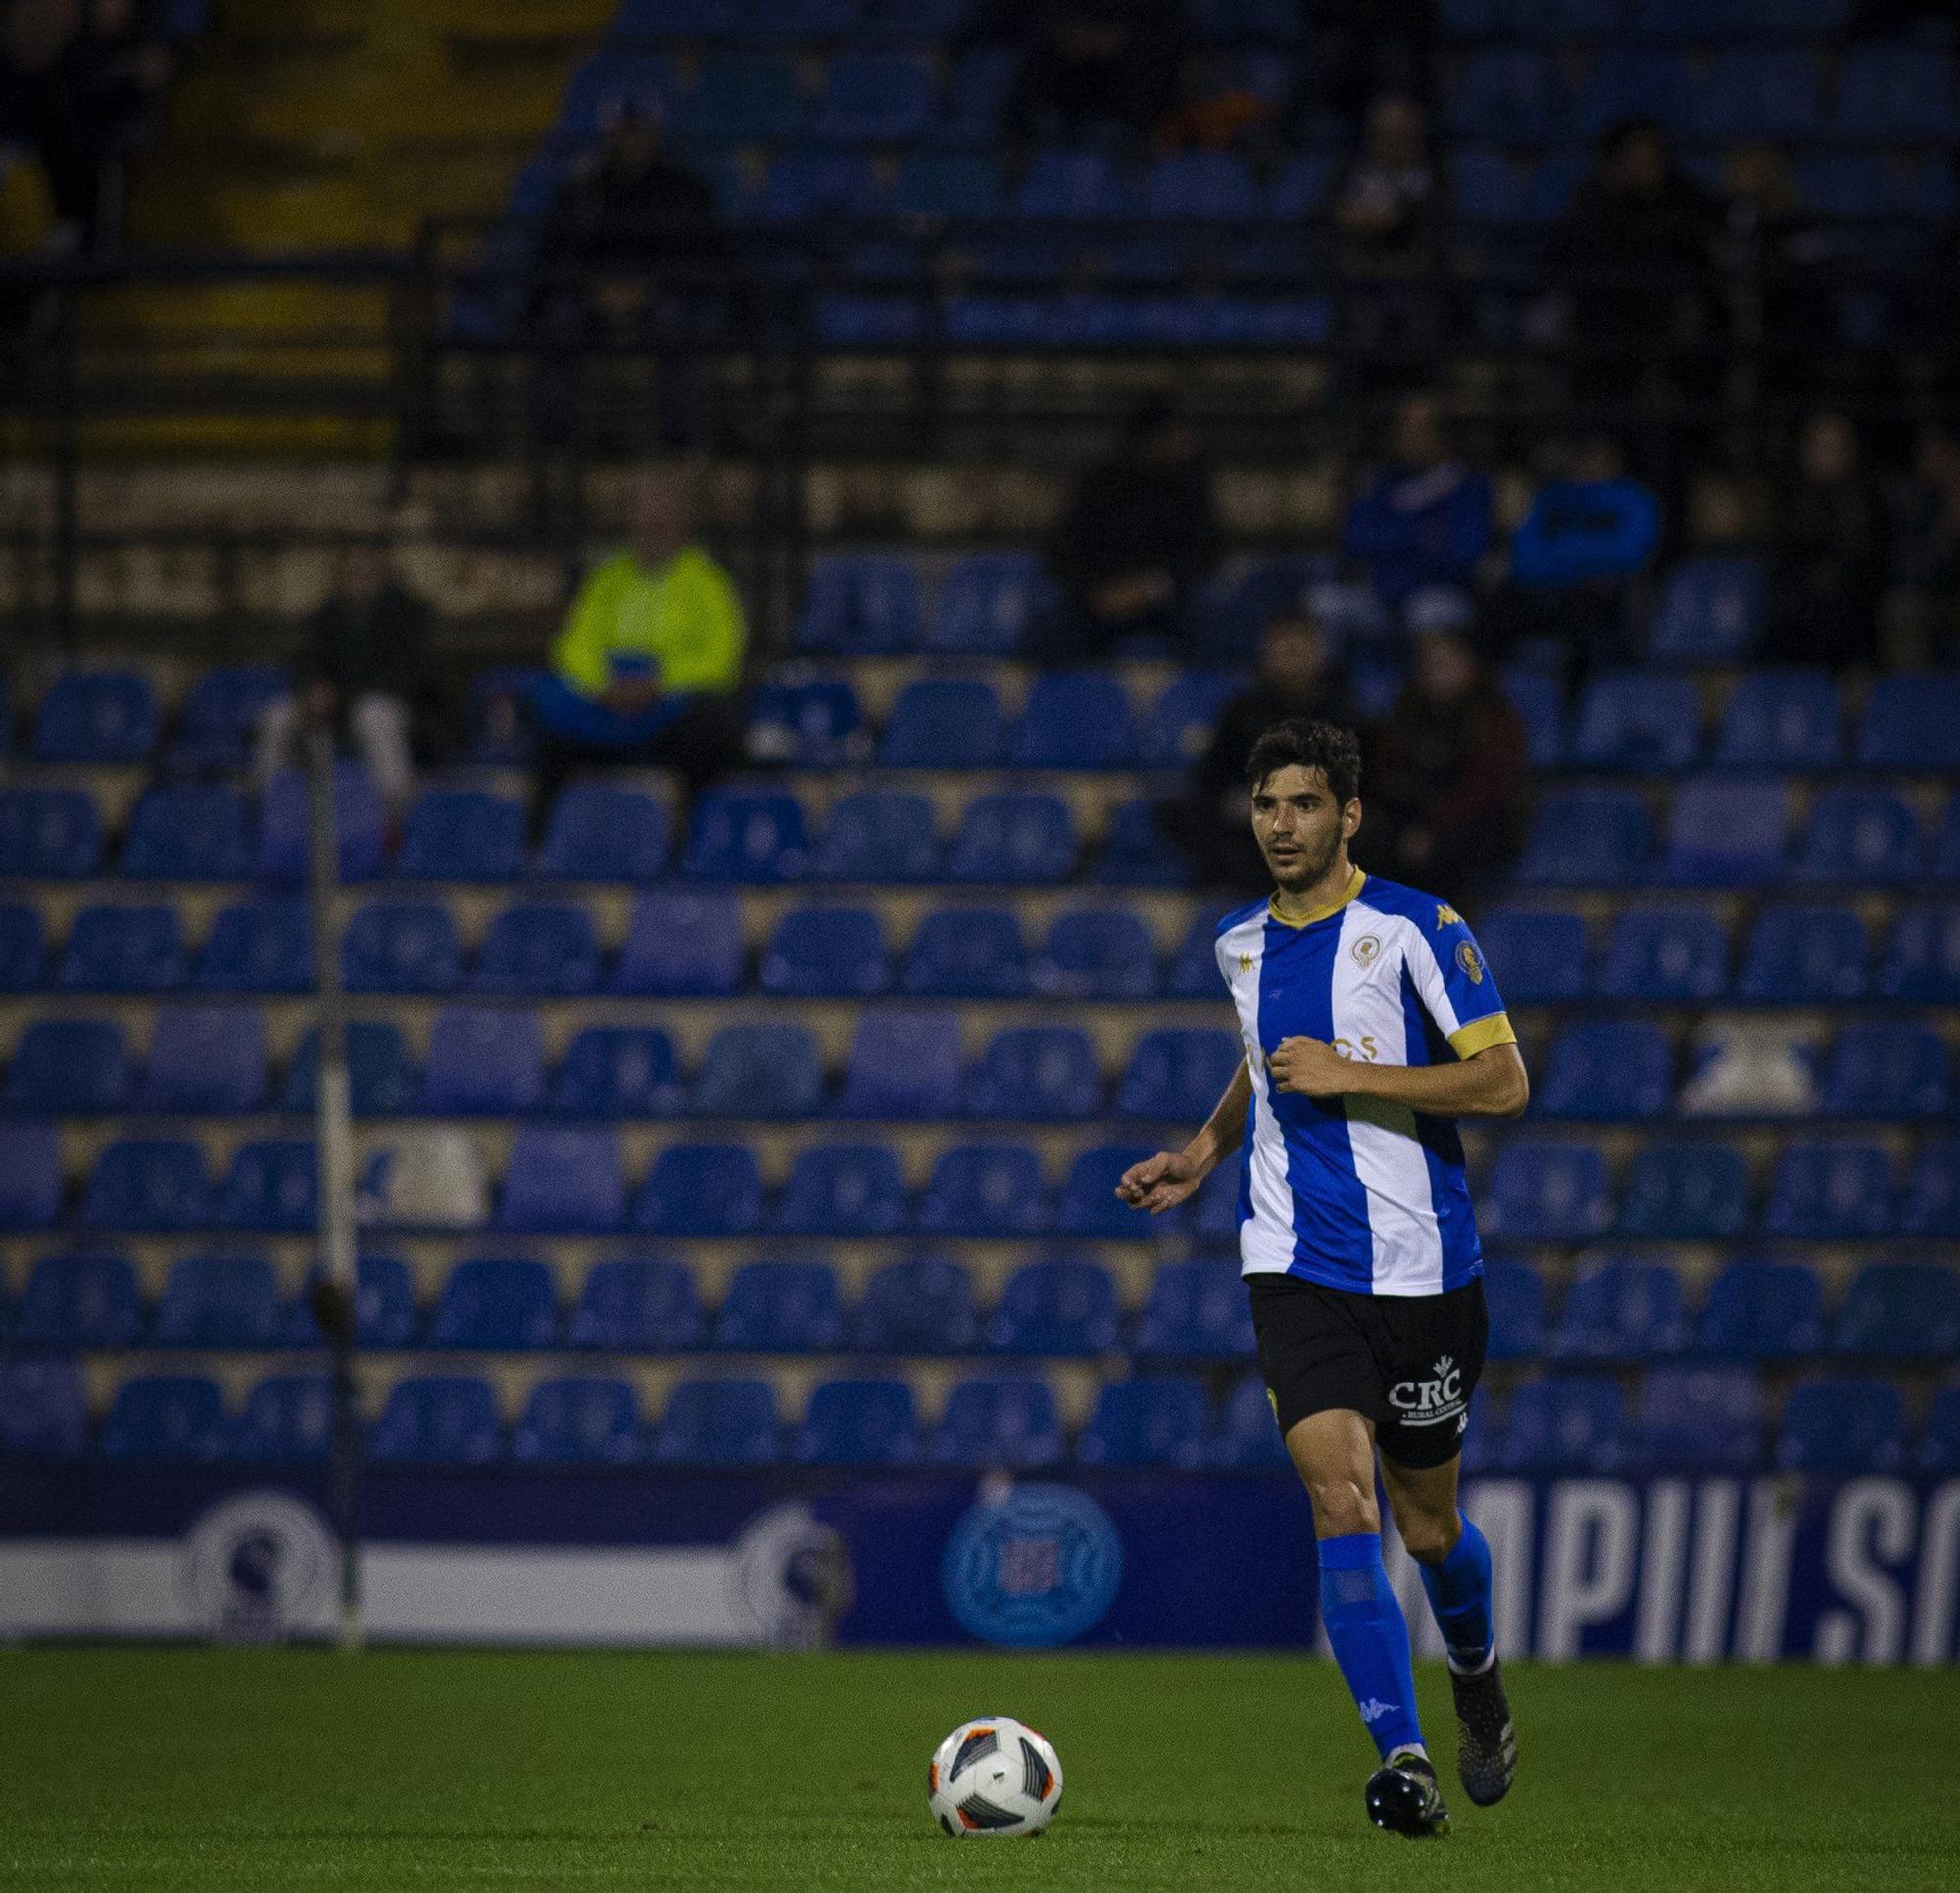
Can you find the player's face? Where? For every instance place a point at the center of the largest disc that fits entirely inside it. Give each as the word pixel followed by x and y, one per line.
pixel 1299 827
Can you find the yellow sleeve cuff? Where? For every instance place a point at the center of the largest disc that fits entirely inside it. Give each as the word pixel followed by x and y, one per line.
pixel 1479 1035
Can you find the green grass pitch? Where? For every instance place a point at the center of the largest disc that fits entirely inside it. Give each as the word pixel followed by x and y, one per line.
pixel 303 1769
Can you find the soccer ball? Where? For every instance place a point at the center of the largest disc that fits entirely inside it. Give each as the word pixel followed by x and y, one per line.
pixel 994 1777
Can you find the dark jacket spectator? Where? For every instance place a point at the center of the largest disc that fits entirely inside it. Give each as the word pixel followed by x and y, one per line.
pixel 1387 203
pixel 1424 519
pixel 1830 553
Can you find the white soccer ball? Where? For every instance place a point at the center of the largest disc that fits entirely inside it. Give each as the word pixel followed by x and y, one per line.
pixel 993 1777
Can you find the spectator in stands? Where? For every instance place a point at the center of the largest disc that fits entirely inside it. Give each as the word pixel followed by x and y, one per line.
pixel 1830 553
pixel 1140 537
pixel 1443 780
pixel 366 670
pixel 646 667
pixel 1782 304
pixel 1297 677
pixel 1386 209
pixel 1926 553
pixel 1087 64
pixel 1424 518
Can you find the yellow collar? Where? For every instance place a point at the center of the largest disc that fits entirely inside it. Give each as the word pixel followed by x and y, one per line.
pixel 1353 887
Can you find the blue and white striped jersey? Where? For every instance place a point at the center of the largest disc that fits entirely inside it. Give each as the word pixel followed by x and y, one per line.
pixel 1353 1191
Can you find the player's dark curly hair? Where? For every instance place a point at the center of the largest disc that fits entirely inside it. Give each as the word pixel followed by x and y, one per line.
pixel 1326 746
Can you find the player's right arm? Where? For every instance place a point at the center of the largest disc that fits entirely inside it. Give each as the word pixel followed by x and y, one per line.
pixel 1164 1180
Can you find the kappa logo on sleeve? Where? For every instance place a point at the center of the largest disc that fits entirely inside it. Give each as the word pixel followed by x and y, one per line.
pixel 1447 916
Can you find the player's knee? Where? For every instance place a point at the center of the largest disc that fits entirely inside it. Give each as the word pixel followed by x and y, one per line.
pixel 1430 1536
pixel 1342 1507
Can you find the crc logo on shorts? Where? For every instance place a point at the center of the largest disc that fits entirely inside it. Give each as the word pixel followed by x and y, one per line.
pixel 1466 958
pixel 1032 1567
pixel 1365 949
pixel 1430 1402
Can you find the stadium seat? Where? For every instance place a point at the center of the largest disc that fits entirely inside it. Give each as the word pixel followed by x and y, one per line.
pixel 781 1308
pixel 1148 1420
pixel 188 833
pixel 49 833
pixel 1622 1310
pixel 1782 720
pixel 1912 724
pixel 1581 837
pixel 1921 961
pixel 637 1305
pixel 1944 863
pixel 1608 1068
pixel 1830 1189
pixel 598 832
pixel 858 1423
pixel 1088 1205
pixel 1804 955
pixel 578 1420
pixel 1035 1073
pixel 802 185
pixel 1575 1423
pixel 746 835
pixel 1845 1427
pixel 206 1058
pixel 1886 1071
pixel 1178 729
pixel 1902 1310
pixel 217 1301
pixel 683 945
pixel 921 1306
pixel 70 1067
pixel 1685 1191
pixel 1059 1307
pixel 270 1185
pixel 544 948
pixel 812 722
pixel 285 828
pixel 986 604
pixel 1636 82
pixel 463 835
pixel 1193 973
pixel 1136 851
pixel 1195 187
pixel 1076 720
pixel 986 1189
pixel 759 1070
pixel 966 954
pixel 865 604
pixel 1104 953
pixel 1545 1193
pixel 1727 833
pixel 902 1064
pixel 490 1304
pixel 101 716
pixel 563 1178
pixel 79 1300
pixel 702 1190
pixel 1762 1311
pixel 1196 1309
pixel 1008 1421
pixel 400 947
pixel 22 947
pixel 1013 837
pixel 147 1184
pixel 1932 1191
pixel 1752 93
pixel 1663 956
pixel 385 1315
pixel 1541 704
pixel 1072 184
pixel 819 953
pixel 618 1071
pixel 1711 611
pixel 1938 1452
pixel 1637 720
pixel 878 834
pixel 1514 1296
pixel 1860 837
pixel 1507 95
pixel 484 1061
pixel 42 1409
pixel 122 949
pixel 718 1423
pixel 875 98
pixel 1179 1075
pixel 1538 956
pixel 437 1419
pixel 165 1415
pixel 744 98
pixel 944 723
pixel 1894 94
pixel 257 946
pixel 380 1079
pixel 30 1176
pixel 843 1190
pixel 945 184
pixel 285 1416
pixel 1701 1417
pixel 221 712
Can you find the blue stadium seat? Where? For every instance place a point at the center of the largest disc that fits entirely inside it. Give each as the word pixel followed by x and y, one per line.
pixel 122 949
pixel 1013 837
pixel 1581 837
pixel 720 1423
pixel 1939 1449
pixel 579 1419
pixel 843 1190
pixel 206 1058
pixel 1830 1189
pixel 49 833
pixel 42 1409
pixel 702 1190
pixel 1637 81
pixel 866 603
pixel 284 826
pixel 165 1415
pixel 79 1300
pixel 879 835
pixel 67 1067
pixel 1178 729
pixel 1923 956
pixel 1750 93
pixel 803 185
pixel 1896 94
pixel 97 716
pixel 1637 720
pixel 1933 1193
pixel 1194 968
pixel 257 946
pixel 1804 955
pixel 438 1419
pixel 921 1306
pixel 147 1184
pixel 1506 96
pixel 400 947
pixel 819 952
pixel 743 98
pixel 490 1304
pixel 875 99
pixel 812 722
pixel 944 723
pixel 1179 1075
pixel 1545 1193
pixel 986 604
pixel 966 954
pixel 611 78
pixel 618 1071
pixel 976 95
pixel 380 1079
pixel 22 947
pixel 1213 1215
pixel 221 712
pixel 759 1070
pixel 683 945
pixel 1033 1072
pixel 1514 1296
pixel 463 835
pixel 637 1305
pixel 1576 1423
pixel 30 1176
pixel 945 184
pixel 1622 1310
pixel 1902 1310
pixel 540 947
pixel 1886 1071
pixel 984 1189
pixel 1136 852
pixel 1196 1309
pixel 1088 1205
pixel 903 1065
pixel 484 1061
pixel 1912 723
pixel 385 1315
pixel 1007 1420
pixel 1711 611
pixel 1727 833
pixel 1197 186
pixel 746 835
pixel 1844 1427
pixel 1097 953
pixel 1762 1311
pixel 1540 703
pixel 1701 1417
pixel 563 1178
pixel 1609 1068
pixel 285 1416
pixel 1076 720
pixel 1074 184
pixel 858 1423
pixel 1860 837
pixel 1148 1419
pixel 1782 720
pixel 1664 955
pixel 187 832
pixel 1539 955
pixel 598 832
pixel 1686 1191
pixel 271 1185
pixel 781 1308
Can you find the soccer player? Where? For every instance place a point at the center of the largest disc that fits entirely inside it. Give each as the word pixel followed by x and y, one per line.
pixel 1370 1022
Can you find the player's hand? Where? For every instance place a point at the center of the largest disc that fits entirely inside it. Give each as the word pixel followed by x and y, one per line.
pixel 1159 1183
pixel 1311 1067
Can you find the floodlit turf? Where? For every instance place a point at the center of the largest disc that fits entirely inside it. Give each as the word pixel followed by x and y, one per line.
pixel 272 1768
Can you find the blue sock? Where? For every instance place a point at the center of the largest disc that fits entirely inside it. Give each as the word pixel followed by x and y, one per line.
pixel 1459 1595
pixel 1370 1638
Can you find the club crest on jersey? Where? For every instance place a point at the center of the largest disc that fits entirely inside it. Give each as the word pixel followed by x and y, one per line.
pixel 1365 949
pixel 1447 916
pixel 1466 958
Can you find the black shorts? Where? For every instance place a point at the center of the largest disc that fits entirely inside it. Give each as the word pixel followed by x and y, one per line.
pixel 1409 1362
